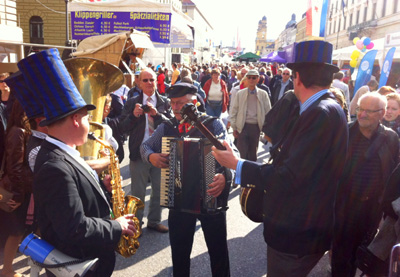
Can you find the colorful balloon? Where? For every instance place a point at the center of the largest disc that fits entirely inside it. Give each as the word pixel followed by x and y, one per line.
pixel 367 41
pixel 355 54
pixel 356 39
pixel 364 49
pixel 353 63
pixel 370 45
pixel 360 44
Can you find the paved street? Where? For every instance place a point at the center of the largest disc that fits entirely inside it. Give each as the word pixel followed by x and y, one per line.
pixel 247 249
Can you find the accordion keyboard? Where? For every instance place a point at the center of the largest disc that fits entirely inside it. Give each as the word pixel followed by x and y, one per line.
pixel 165 199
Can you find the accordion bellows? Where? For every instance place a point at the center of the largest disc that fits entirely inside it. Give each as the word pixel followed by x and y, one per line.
pixel 191 169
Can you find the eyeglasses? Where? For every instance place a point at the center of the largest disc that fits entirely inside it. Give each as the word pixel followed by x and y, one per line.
pixel 369 112
pixel 252 77
pixel 285 73
pixel 147 80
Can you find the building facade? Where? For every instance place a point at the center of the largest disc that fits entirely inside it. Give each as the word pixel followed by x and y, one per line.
pixel 10 36
pixel 373 19
pixel 261 38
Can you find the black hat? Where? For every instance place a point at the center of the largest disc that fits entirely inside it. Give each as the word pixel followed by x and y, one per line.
pixel 313 52
pixel 181 89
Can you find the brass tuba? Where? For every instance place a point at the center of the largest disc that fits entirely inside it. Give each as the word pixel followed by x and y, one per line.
pixel 94 79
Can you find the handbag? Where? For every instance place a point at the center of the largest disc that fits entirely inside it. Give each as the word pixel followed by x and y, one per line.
pixel 5 195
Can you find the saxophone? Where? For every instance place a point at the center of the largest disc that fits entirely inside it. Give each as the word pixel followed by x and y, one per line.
pixel 122 204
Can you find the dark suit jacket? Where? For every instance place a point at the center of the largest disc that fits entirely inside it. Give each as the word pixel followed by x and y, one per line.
pixel 299 187
pixel 135 127
pixel 277 88
pixel 72 213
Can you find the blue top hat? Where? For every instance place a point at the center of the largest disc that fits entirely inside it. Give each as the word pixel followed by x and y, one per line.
pixel 313 52
pixel 47 76
pixel 29 101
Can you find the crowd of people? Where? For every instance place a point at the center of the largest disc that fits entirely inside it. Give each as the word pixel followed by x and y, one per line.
pixel 330 182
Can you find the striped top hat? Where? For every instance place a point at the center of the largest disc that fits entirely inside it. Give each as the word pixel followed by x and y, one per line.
pixel 28 99
pixel 47 76
pixel 314 52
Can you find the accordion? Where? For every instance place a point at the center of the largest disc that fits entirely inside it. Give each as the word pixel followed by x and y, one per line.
pixel 185 182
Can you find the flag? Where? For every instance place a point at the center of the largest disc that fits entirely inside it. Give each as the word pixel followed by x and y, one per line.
pixel 317 13
pixel 365 69
pixel 387 65
pixel 343 6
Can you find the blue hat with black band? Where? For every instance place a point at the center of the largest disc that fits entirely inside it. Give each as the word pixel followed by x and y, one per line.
pixel 47 76
pixel 313 52
pixel 28 99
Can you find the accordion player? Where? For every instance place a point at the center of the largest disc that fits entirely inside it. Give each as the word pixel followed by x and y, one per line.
pixel 184 183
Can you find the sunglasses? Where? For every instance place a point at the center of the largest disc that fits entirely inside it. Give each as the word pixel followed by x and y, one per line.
pixel 285 74
pixel 252 77
pixel 147 80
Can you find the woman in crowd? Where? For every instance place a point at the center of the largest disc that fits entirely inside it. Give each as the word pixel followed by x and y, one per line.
pixel 391 118
pixel 217 97
pixel 385 90
pixel 160 81
pixel 18 180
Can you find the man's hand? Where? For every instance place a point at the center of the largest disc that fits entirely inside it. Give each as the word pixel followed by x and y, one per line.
pixel 127 224
pixel 225 157
pixel 107 182
pixel 153 110
pixel 138 111
pixel 159 160
pixel 217 186
pixel 236 133
pixel 13 205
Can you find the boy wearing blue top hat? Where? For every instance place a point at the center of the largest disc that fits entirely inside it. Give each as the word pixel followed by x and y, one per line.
pixel 300 185
pixel 182 224
pixel 73 206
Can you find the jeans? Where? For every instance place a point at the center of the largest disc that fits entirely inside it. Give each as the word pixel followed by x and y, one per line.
pixel 214 108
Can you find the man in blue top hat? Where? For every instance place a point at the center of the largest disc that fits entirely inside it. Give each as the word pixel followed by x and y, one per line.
pixel 299 186
pixel 73 206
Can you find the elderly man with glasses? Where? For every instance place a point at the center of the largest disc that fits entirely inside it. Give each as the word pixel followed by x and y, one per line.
pixel 281 86
pixel 247 114
pixel 373 154
pixel 140 117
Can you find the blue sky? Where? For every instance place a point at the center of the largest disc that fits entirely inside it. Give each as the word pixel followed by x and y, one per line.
pixel 227 16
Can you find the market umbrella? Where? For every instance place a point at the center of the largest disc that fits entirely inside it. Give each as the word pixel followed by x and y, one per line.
pixel 248 57
pixel 276 56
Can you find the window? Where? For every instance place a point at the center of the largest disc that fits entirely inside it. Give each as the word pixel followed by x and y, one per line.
pixel 395 5
pixel 36 30
pixel 338 26
pixel 330 28
pixel 374 11
pixel 344 23
pixel 384 8
pixel 358 17
pixel 365 13
pixel 334 26
pixel 351 20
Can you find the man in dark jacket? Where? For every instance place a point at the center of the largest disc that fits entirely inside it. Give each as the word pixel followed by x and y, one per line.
pixel 182 224
pixel 72 204
pixel 140 117
pixel 299 186
pixel 281 86
pixel 373 154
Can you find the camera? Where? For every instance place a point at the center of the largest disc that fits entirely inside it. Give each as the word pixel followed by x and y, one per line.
pixel 146 108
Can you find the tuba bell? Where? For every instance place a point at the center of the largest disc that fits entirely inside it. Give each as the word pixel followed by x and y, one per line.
pixel 94 79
